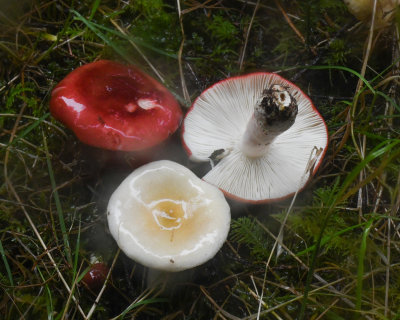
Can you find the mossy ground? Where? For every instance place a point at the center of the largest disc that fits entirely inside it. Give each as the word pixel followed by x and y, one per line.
pixel 339 253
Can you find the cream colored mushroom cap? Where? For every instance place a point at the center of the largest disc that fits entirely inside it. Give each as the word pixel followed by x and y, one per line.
pixel 363 10
pixel 164 217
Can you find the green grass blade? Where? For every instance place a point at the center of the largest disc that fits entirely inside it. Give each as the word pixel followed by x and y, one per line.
pixel 389 99
pixel 97 27
pixel 391 153
pixel 49 300
pixel 55 43
pixel 135 40
pixel 95 6
pixel 333 199
pixel 326 240
pixel 77 246
pixel 360 269
pixel 82 274
pixel 383 148
pixel 380 150
pixel 29 129
pixel 366 82
pixel 57 201
pixel 381 75
pixel 337 234
pixel 140 303
pixel 96 31
pixel 6 265
pixel 330 204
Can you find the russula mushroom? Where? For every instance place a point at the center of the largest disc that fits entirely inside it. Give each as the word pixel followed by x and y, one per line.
pixel 166 218
pixel 363 9
pixel 113 106
pixel 259 132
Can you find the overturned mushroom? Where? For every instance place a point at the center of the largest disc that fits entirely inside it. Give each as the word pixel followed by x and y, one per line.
pixel 166 218
pixel 259 132
pixel 117 107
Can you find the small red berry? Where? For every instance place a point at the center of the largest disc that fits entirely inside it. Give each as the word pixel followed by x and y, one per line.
pixel 96 276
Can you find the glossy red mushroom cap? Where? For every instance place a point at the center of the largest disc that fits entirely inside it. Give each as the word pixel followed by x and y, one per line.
pixel 96 275
pixel 117 107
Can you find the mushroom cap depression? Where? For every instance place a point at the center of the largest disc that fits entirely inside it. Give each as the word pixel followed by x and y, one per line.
pixel 164 217
pixel 216 123
pixel 117 107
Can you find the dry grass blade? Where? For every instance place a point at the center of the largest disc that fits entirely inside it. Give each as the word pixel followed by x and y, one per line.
pixel 392 213
pixel 186 95
pixel 314 154
pixel 67 304
pixel 220 310
pixel 289 21
pixel 147 296
pixel 120 29
pixel 10 186
pixel 246 40
pixel 315 274
pixel 351 112
pixel 322 267
pixel 47 252
pixel 277 307
pixel 194 5
pixel 96 302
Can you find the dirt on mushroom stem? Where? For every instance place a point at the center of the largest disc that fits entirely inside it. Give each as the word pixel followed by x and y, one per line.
pixel 277 108
pixel 275 113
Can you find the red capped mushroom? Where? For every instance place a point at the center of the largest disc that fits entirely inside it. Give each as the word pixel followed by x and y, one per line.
pixel 116 107
pixel 259 132
pixel 96 275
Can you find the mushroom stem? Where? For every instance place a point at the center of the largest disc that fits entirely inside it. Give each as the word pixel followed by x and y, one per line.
pixel 274 113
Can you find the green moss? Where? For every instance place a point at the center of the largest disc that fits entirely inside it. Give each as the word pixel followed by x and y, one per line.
pixel 338 53
pixel 246 231
pixel 156 24
pixel 41 42
pixel 222 29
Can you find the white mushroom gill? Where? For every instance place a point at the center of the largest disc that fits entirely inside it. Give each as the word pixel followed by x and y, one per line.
pixel 253 162
pixel 166 218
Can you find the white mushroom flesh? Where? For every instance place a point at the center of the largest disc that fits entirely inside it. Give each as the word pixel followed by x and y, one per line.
pixel 165 217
